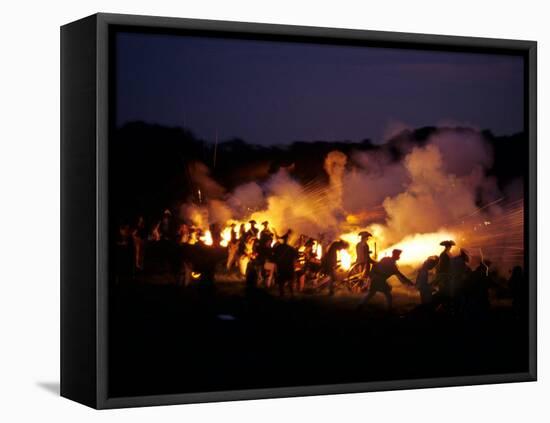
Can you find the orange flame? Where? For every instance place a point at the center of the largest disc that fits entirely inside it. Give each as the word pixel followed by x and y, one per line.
pixel 207 238
pixel 417 247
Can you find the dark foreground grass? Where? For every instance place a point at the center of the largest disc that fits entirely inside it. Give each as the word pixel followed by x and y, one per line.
pixel 168 339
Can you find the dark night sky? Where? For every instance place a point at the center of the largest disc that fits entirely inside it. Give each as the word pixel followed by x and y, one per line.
pixel 274 92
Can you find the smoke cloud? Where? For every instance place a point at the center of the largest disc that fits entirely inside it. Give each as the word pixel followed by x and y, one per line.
pixel 430 187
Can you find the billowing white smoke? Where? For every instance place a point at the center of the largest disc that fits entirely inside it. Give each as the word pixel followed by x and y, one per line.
pixel 291 206
pixel 335 167
pixel 431 188
pixel 371 180
pixel 433 199
pixel 200 174
pixel 246 199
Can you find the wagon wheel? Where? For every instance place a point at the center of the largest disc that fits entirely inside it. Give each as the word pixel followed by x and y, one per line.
pixel 355 278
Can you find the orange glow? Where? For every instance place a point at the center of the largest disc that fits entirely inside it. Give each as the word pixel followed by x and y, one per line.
pixel 226 236
pixel 344 258
pixel 318 248
pixel 416 248
pixel 207 238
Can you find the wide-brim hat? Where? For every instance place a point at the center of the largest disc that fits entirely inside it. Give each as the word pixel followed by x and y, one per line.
pixel 448 243
pixel 286 235
pixel 363 234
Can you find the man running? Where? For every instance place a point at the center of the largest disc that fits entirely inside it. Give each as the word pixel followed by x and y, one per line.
pixel 380 273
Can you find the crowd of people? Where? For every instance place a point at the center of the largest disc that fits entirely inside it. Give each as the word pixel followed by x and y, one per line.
pixel 266 259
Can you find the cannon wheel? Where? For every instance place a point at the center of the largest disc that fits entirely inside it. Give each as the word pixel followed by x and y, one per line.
pixel 355 279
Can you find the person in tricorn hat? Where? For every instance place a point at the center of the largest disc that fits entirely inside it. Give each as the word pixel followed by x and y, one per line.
pixel 380 273
pixel 253 231
pixel 443 270
pixel 266 233
pixel 445 256
pixel 363 252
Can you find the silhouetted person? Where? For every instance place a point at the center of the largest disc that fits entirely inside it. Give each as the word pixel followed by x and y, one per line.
pixel 330 263
pixel 475 293
pixel 443 270
pixel 232 250
pixel 252 268
pixel 265 253
pixel 363 253
pixel 519 290
pixel 459 272
pixel 380 273
pixel 242 240
pixel 423 279
pixel 266 234
pixel 285 258
pixel 233 237
pixel 253 231
pixel 305 258
pixel 216 234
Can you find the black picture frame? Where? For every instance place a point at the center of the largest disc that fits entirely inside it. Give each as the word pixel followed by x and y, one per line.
pixel 85 56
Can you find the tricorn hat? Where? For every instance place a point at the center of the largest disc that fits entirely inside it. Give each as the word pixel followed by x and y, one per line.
pixel 264 223
pixel 448 243
pixel 252 222
pixel 286 235
pixel 364 234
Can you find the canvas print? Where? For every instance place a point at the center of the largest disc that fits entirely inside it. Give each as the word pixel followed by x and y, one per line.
pixel 295 213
